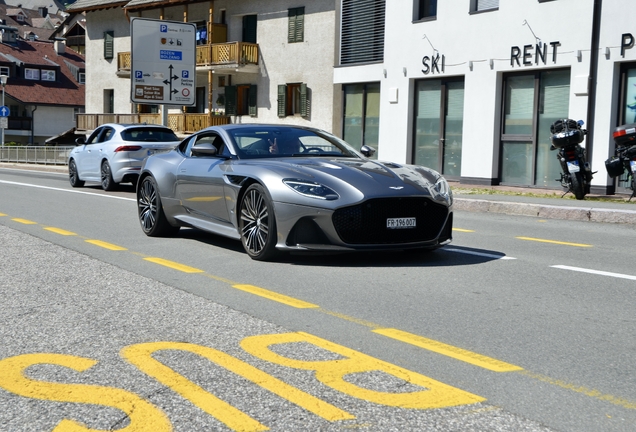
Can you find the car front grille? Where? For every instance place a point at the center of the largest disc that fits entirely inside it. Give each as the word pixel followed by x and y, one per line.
pixel 365 223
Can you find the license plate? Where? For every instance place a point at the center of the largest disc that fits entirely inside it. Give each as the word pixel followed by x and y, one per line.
pixel 400 223
pixel 573 166
pixel 632 165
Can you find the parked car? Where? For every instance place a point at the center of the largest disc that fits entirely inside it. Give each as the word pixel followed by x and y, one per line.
pixel 289 188
pixel 113 153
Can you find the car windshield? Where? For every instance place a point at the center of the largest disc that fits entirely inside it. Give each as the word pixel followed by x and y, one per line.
pixel 149 135
pixel 271 141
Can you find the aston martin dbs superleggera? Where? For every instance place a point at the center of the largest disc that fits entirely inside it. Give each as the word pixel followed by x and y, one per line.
pixel 289 188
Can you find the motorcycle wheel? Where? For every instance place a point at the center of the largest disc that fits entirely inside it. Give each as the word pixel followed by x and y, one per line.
pixel 576 185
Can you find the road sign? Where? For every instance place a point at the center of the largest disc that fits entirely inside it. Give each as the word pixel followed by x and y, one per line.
pixel 163 59
pixel 4 111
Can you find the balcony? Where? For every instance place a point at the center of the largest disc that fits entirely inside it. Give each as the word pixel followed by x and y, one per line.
pixel 180 123
pixel 227 57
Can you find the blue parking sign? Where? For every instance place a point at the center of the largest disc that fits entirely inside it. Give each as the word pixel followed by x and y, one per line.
pixel 184 74
pixel 139 74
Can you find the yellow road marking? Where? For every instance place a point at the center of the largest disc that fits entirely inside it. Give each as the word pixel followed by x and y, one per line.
pixel 173 265
pixel 449 350
pixel 290 301
pixel 60 231
pixel 463 230
pixel 24 221
pixel 105 245
pixel 2 214
pixel 554 242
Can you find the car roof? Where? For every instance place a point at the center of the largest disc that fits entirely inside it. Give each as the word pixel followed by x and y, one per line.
pixel 122 126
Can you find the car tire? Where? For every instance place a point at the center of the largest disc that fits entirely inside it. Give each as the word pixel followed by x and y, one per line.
pixel 108 184
pixel 257 224
pixel 73 176
pixel 150 210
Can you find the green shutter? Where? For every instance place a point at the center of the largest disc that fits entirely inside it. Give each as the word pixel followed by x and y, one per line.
pixel 230 100
pixel 282 100
pixel 251 100
pixel 304 101
pixel 296 24
pixel 109 49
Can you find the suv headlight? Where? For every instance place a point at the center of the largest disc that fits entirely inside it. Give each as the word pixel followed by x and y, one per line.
pixel 311 189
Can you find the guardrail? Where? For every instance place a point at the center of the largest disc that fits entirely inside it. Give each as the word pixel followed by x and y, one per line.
pixel 45 155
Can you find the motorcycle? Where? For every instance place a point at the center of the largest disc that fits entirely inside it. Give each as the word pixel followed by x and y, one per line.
pixel 624 158
pixel 566 136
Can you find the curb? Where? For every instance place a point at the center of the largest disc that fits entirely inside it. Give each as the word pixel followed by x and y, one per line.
pixel 585 214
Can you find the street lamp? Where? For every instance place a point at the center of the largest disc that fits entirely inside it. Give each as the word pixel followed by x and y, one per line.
pixel 3 81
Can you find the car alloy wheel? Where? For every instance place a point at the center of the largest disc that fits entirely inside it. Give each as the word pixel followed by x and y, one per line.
pixel 73 177
pixel 108 184
pixel 151 216
pixel 257 224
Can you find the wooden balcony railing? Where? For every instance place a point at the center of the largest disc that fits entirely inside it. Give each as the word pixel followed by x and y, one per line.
pixel 219 54
pixel 180 123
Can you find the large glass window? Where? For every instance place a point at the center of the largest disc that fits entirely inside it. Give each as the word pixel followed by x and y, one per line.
pixel 426 9
pixel 439 124
pixel 626 112
pixel 532 102
pixel 361 120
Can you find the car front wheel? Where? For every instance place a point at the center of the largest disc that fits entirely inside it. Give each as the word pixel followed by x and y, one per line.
pixel 257 224
pixel 73 176
pixel 151 216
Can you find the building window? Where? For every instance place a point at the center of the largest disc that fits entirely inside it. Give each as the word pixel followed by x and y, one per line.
pixel 362 31
pixel 626 113
pixel 109 101
pixel 483 5
pixel 4 70
pixel 361 122
pixel 109 45
pixel 202 33
pixel 19 18
pixel 48 75
pixel 32 74
pixel 249 28
pixel 532 102
pixel 81 78
pixel 426 9
pixel 296 25
pixel 293 100
pixel 241 100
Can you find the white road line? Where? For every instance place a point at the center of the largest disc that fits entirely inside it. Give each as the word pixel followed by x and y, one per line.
pixel 482 254
pixel 596 272
pixel 66 190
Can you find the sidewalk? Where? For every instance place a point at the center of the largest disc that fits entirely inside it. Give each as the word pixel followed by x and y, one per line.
pixel 542 203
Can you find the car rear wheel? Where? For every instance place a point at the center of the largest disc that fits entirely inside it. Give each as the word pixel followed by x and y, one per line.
pixel 151 216
pixel 108 184
pixel 257 224
pixel 73 177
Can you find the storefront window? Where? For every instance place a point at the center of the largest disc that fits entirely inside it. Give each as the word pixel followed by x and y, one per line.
pixel 362 115
pixel 532 102
pixel 627 113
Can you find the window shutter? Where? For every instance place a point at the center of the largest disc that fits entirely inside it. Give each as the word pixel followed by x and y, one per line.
pixel 282 100
pixel 109 49
pixel 251 100
pixel 304 101
pixel 296 26
pixel 362 31
pixel 487 4
pixel 230 100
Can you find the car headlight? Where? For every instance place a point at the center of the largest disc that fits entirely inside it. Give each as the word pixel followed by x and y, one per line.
pixel 311 189
pixel 442 190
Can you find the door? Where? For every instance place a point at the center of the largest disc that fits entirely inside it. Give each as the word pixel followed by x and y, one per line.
pixel 438 125
pixel 200 185
pixel 87 158
pixel 249 28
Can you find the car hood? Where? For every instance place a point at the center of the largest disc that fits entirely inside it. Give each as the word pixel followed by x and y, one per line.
pixel 369 177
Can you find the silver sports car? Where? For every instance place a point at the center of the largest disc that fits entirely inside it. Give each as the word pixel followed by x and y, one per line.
pixel 290 188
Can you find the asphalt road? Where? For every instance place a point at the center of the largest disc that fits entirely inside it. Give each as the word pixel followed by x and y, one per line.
pixel 522 324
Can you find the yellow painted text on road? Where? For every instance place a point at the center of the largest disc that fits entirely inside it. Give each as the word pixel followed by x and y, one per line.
pixel 449 350
pixel 142 415
pixel 271 295
pixel 434 394
pixel 554 242
pixel 105 245
pixel 140 355
pixel 60 231
pixel 24 221
pixel 173 265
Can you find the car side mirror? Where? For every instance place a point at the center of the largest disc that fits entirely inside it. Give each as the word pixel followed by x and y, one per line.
pixel 368 151
pixel 80 141
pixel 204 149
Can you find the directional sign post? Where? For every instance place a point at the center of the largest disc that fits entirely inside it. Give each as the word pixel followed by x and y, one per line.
pixel 4 117
pixel 163 56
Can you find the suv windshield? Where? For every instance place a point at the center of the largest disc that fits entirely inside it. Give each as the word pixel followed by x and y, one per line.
pixel 149 135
